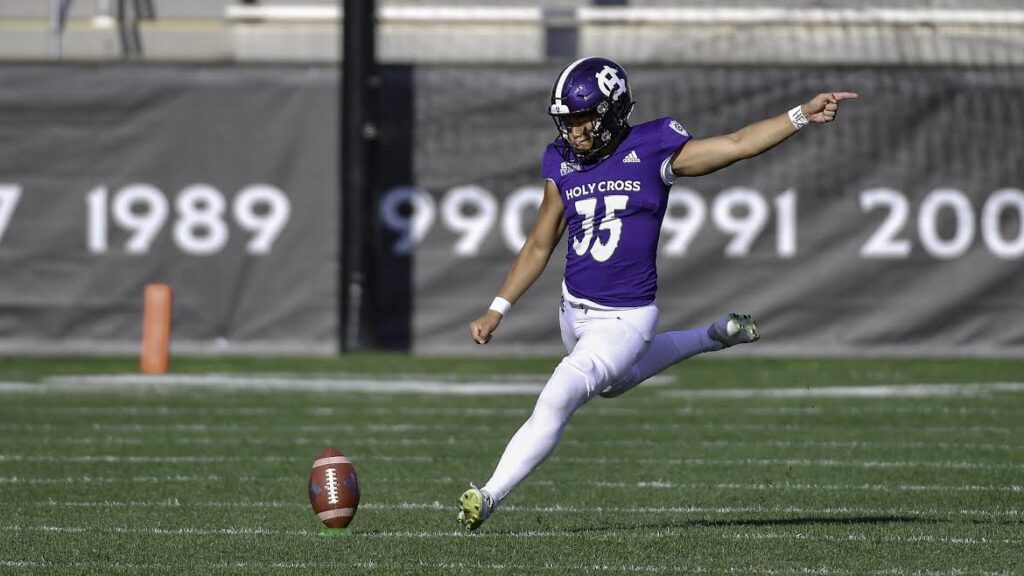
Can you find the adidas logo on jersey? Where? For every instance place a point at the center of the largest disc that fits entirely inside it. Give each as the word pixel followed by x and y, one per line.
pixel 631 157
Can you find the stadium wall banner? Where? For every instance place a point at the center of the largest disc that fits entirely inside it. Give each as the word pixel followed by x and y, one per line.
pixel 896 230
pixel 218 181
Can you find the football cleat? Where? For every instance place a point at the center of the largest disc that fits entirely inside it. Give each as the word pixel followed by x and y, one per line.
pixel 475 506
pixel 733 329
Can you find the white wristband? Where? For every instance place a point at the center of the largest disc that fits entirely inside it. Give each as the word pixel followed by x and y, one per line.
pixel 796 116
pixel 501 306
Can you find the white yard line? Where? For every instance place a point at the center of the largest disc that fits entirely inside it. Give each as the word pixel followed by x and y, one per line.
pixel 18 387
pixel 850 409
pixel 669 485
pixel 330 412
pixel 582 421
pixel 874 391
pixel 505 384
pixel 823 462
pixel 700 510
pixel 514 384
pixel 246 429
pixel 203 479
pixel 805 426
pixel 479 567
pixel 289 384
pixel 642 485
pixel 116 459
pixel 150 411
pixel 450 440
pixel 980 447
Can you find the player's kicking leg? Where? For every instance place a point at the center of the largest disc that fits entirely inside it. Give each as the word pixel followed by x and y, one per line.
pixel 607 349
pixel 564 392
pixel 669 348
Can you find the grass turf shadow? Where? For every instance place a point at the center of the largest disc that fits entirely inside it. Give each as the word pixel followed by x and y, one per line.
pixel 695 523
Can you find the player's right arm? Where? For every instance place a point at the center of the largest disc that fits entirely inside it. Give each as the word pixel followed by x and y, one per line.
pixel 708 155
pixel 530 262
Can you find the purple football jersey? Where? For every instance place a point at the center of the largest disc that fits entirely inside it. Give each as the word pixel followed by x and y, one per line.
pixel 614 210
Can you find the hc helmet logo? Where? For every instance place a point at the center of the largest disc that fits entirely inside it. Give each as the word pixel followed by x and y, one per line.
pixel 610 84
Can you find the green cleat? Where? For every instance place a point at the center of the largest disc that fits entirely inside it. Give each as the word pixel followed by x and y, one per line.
pixel 733 329
pixel 475 506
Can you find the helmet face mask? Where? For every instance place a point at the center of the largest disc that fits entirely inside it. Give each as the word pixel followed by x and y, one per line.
pixel 594 89
pixel 580 128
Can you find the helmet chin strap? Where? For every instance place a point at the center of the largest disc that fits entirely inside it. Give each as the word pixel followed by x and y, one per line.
pixel 600 144
pixel 604 149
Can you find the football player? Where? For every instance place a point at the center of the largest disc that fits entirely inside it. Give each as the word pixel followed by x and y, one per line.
pixel 608 182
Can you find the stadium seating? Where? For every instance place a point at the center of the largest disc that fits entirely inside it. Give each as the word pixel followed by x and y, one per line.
pixel 521 31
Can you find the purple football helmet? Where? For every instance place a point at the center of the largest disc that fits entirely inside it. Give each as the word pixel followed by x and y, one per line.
pixel 592 87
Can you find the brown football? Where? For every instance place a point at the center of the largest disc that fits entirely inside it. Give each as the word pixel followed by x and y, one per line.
pixel 333 488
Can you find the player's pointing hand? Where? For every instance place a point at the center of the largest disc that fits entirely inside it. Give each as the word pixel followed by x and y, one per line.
pixel 824 107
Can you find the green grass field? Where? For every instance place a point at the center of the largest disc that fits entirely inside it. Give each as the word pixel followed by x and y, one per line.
pixel 723 466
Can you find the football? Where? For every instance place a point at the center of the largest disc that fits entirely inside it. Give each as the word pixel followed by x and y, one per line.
pixel 333 488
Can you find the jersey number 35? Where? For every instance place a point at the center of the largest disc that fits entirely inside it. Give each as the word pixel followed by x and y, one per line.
pixel 601 251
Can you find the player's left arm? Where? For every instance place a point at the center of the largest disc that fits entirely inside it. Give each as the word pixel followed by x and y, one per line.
pixel 699 157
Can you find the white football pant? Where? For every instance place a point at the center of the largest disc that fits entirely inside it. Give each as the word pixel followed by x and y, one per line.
pixel 609 353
